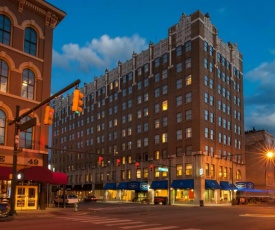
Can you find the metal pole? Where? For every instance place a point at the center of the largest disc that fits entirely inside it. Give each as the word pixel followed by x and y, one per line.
pixel 169 182
pixel 232 174
pixel 14 165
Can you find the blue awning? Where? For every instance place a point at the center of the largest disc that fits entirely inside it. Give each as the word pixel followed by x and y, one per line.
pixel 185 184
pixel 122 185
pixel 111 186
pixel 138 185
pixel 225 185
pixel 159 184
pixel 212 184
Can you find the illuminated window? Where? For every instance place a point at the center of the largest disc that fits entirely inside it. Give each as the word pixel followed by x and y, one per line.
pixel 188 132
pixel 122 173
pixel 157 123
pixel 179 170
pixel 4 70
pixel 26 136
pixel 164 105
pixel 164 138
pixel 188 80
pixel 128 174
pixel 156 170
pixel 27 89
pixel 145 173
pixel 156 154
pixel 188 169
pixel 138 173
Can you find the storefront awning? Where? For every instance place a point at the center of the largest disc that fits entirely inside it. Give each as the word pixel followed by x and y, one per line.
pixel 59 178
pixel 138 185
pixel 122 185
pixel 5 172
pixel 159 184
pixel 77 187
pixel 87 187
pixel 183 184
pixel 212 184
pixel 225 185
pixel 36 173
pixel 111 186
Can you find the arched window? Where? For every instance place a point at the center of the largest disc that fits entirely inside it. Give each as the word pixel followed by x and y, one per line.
pixel 2 127
pixel 28 84
pixel 5 29
pixel 30 42
pixel 4 70
pixel 238 175
pixel 26 136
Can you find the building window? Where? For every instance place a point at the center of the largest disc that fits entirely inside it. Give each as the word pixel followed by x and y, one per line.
pixel 164 105
pixel 164 121
pixel 178 100
pixel 188 150
pixel 188 46
pixel 27 90
pixel 164 58
pixel 179 67
pixel 156 62
pixel 157 124
pixel 2 127
pixel 157 108
pixel 179 84
pixel 4 70
pixel 207 169
pixel 179 151
pixel 157 139
pixel 188 63
pixel 179 170
pixel 164 138
pixel 179 117
pixel 5 29
pixel 188 169
pixel 188 132
pixel 156 155
pixel 188 115
pixel 188 97
pixel 188 80
pixel 30 42
pixel 164 89
pixel 26 136
pixel 178 51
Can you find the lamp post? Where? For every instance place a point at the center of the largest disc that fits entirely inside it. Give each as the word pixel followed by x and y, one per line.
pixel 270 155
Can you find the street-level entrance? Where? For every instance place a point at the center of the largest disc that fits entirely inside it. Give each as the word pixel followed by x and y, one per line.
pixel 26 197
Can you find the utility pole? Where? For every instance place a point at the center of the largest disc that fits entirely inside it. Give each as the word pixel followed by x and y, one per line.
pixel 22 127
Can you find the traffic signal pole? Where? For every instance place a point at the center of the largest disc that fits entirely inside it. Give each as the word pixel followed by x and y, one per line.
pixel 16 121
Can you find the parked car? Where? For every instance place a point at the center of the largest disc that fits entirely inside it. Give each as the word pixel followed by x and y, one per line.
pixel 4 210
pixel 70 199
pixel 90 199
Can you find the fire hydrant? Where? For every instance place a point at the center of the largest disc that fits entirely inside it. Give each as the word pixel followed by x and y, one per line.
pixel 75 206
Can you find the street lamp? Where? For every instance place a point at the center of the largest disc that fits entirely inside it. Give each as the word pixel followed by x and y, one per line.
pixel 270 155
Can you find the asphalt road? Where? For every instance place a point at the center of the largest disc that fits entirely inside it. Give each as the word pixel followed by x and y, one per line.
pixel 99 216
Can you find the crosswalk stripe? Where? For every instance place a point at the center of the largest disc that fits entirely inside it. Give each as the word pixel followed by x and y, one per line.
pixel 137 222
pixel 139 226
pixel 110 221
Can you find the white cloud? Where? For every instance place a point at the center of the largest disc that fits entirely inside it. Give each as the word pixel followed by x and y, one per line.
pixel 101 53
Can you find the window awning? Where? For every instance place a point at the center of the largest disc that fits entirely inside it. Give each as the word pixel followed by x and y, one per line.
pixel 159 184
pixel 122 185
pixel 37 173
pixel 59 178
pixel 212 184
pixel 111 186
pixel 77 187
pixel 225 185
pixel 138 185
pixel 87 187
pixel 183 184
pixel 5 172
pixel 42 174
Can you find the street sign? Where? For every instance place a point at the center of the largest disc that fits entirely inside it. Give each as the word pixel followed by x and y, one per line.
pixel 163 169
pixel 28 124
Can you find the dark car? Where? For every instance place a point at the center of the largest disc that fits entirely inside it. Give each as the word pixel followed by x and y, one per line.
pixel 4 210
pixel 90 199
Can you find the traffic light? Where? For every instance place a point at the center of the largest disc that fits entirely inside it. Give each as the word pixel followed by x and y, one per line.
pixel 117 162
pixel 100 161
pixel 137 165
pixel 77 101
pixel 151 167
pixel 48 117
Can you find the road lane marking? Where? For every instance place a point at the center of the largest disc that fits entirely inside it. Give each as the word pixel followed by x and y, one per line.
pixel 137 222
pixel 161 228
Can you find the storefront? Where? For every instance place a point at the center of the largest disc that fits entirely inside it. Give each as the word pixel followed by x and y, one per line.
pixel 110 192
pixel 211 194
pixel 227 191
pixel 183 191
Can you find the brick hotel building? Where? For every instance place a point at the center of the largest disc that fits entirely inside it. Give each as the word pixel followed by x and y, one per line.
pixel 173 115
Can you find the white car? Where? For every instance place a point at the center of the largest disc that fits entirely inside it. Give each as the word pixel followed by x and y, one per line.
pixel 70 199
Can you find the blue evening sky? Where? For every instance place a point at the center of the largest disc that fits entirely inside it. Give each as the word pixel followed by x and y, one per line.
pixel 95 35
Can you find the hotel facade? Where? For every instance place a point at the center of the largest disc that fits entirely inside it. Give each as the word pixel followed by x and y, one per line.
pixel 168 123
